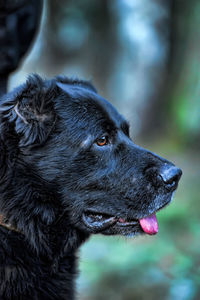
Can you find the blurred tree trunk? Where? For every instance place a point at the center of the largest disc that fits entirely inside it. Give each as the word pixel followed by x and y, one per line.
pixel 184 81
pixel 81 33
pixel 177 109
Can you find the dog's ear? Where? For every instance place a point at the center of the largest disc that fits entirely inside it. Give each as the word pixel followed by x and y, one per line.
pixel 64 83
pixel 33 111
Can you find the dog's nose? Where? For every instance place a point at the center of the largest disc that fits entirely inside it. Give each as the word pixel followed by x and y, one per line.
pixel 170 176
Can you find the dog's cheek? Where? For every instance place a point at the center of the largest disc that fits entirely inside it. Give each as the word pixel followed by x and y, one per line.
pixel 81 169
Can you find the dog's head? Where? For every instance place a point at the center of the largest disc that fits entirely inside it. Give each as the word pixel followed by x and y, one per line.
pixel 79 146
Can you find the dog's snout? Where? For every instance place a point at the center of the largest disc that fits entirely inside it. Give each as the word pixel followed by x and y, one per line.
pixel 170 176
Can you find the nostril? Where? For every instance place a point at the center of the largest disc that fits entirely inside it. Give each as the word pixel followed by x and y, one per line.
pixel 170 176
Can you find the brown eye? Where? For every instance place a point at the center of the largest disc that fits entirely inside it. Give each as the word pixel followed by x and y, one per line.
pixel 102 141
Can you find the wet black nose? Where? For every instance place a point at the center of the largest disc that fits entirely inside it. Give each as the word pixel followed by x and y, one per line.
pixel 170 176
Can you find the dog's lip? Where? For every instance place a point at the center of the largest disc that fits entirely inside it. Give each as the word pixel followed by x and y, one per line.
pixel 100 221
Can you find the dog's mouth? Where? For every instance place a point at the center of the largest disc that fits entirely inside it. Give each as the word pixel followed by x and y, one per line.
pixel 98 222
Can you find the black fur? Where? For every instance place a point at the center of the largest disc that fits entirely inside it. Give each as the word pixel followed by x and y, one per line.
pixel 58 185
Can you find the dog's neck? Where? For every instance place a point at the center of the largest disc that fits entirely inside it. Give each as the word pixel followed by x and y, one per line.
pixel 63 246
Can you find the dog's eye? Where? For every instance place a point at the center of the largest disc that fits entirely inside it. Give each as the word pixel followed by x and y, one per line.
pixel 102 141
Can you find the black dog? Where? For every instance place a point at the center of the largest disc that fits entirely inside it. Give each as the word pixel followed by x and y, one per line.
pixel 68 169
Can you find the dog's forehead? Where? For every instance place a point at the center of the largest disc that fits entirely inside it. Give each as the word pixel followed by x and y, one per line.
pixel 87 100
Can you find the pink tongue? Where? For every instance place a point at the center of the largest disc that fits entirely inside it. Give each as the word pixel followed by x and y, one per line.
pixel 149 224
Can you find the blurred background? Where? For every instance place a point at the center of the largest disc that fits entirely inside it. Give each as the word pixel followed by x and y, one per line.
pixel 144 57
